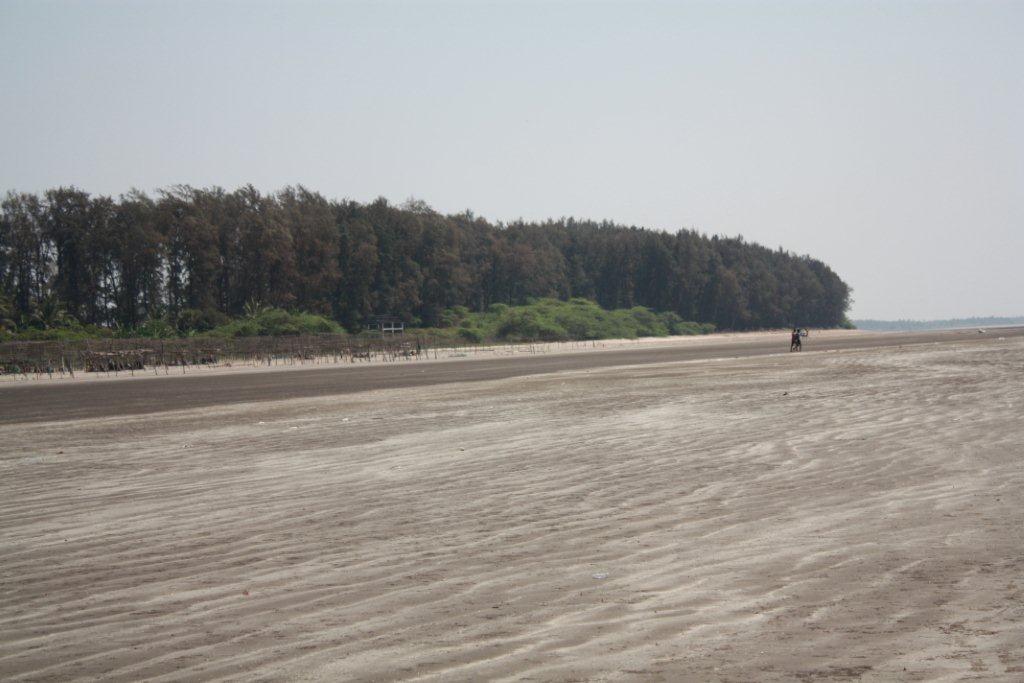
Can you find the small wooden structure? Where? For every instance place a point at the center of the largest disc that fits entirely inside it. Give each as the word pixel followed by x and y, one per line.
pixel 386 324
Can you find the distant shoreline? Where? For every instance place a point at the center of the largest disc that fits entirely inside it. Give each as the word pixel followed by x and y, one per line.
pixel 872 325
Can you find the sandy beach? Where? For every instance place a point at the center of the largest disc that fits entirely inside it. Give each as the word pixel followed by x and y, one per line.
pixel 35 398
pixel 818 516
pixel 459 354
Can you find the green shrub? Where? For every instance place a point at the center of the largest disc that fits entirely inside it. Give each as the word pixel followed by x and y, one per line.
pixel 648 324
pixel 70 331
pixel 672 321
pixel 581 319
pixel 196 320
pixel 274 322
pixel 454 317
pixel 540 320
pixel 471 335
pixel 523 323
pixel 497 309
pixel 157 328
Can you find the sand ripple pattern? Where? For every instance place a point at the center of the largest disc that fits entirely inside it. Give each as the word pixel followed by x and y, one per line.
pixel 815 517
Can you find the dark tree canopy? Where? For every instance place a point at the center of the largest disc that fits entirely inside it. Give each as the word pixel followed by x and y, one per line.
pixel 190 253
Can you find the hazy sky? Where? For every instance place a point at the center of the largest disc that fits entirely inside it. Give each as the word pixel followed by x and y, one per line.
pixel 886 139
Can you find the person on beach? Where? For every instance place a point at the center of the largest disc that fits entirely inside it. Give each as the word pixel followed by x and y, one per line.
pixel 794 340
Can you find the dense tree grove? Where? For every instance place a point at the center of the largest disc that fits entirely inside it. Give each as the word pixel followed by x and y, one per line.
pixel 193 256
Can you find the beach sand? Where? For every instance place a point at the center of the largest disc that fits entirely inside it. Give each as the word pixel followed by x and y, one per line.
pixel 815 516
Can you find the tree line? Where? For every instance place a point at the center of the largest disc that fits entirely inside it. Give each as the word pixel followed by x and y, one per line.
pixel 196 256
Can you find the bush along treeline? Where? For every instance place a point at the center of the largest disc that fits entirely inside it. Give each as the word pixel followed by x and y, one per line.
pixel 192 260
pixel 555 320
pixel 540 320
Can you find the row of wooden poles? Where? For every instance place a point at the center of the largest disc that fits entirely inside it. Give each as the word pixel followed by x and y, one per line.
pixel 131 355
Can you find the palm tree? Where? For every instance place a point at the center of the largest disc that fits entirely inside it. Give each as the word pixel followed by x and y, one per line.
pixel 253 308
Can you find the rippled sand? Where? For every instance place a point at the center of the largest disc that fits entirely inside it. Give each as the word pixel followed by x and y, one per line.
pixel 807 516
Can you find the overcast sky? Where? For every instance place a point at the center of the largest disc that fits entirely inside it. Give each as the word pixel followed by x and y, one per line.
pixel 886 139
